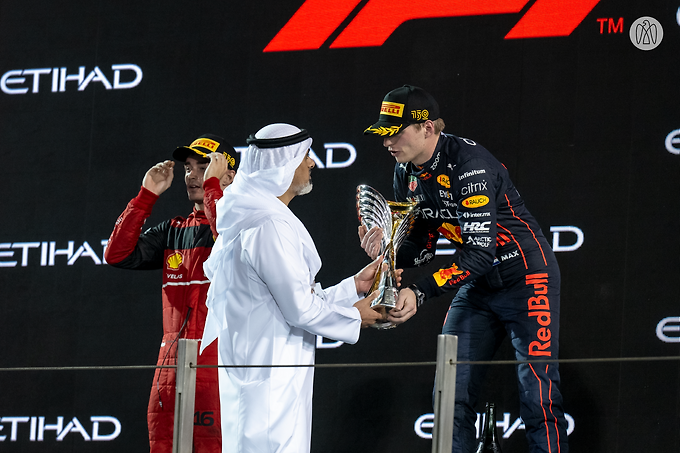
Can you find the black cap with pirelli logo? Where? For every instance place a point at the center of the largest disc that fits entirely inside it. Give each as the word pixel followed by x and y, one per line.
pixel 403 106
pixel 206 144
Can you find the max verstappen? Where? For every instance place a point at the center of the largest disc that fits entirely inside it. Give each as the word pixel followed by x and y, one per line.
pixel 504 271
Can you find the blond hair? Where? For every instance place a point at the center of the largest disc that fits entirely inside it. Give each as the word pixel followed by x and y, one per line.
pixel 438 125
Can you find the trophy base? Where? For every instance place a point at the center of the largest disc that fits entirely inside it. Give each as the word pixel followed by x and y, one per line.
pixel 383 309
pixel 383 325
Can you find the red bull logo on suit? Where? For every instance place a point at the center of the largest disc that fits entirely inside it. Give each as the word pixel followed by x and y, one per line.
pixel 539 308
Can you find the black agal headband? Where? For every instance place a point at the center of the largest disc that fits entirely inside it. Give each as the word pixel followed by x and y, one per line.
pixel 278 142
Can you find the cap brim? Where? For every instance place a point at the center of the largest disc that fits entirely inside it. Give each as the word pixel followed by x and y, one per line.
pixel 383 128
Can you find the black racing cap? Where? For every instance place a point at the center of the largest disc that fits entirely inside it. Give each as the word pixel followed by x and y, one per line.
pixel 206 144
pixel 401 107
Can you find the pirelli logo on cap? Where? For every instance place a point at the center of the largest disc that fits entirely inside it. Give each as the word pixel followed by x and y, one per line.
pixel 392 109
pixel 212 145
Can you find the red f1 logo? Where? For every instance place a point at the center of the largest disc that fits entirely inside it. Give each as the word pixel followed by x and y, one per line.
pixel 316 20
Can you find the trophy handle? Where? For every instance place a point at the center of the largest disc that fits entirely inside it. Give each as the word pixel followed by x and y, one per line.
pixel 387 282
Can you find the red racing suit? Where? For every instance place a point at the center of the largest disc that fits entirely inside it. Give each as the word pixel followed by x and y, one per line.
pixel 178 247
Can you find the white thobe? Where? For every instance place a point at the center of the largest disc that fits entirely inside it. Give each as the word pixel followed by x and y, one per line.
pixel 272 315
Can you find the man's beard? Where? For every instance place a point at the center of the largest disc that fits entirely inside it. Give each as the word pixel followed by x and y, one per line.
pixel 305 188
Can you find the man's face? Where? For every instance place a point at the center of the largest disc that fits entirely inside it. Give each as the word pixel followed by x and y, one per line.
pixel 194 169
pixel 408 145
pixel 302 180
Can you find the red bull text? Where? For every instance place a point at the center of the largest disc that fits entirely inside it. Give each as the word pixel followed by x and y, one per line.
pixel 539 308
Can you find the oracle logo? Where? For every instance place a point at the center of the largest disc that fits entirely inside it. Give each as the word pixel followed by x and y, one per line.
pixel 316 20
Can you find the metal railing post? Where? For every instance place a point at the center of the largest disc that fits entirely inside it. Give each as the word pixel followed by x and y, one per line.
pixel 185 396
pixel 444 393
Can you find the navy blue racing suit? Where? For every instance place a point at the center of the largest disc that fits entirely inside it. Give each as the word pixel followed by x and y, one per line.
pixel 506 275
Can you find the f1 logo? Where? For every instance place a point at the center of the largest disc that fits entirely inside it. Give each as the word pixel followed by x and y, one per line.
pixel 316 20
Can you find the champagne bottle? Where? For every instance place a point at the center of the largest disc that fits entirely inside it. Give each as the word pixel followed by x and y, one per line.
pixel 488 443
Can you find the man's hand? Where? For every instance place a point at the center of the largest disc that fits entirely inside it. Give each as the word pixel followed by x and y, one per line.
pixel 368 315
pixel 217 167
pixel 406 307
pixel 364 279
pixel 159 177
pixel 370 240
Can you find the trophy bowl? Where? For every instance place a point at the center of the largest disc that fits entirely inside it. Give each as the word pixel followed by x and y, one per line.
pixel 395 219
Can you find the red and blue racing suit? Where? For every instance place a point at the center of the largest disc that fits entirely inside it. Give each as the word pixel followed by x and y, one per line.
pixel 505 274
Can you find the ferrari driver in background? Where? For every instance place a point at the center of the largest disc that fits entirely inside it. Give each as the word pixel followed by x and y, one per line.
pixel 179 247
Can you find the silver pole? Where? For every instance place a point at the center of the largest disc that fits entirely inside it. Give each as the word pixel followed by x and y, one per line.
pixel 185 396
pixel 444 393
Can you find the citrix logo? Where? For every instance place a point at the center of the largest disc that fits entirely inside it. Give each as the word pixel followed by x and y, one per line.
pixel 18 81
pixel 316 20
pixel 473 187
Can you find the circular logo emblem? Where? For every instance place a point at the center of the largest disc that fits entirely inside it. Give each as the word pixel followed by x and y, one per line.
pixel 646 33
pixel 444 181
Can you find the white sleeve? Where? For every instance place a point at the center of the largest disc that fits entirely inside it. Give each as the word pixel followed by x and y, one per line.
pixel 276 254
pixel 344 293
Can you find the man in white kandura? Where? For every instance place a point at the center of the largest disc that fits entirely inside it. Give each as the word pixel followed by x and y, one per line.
pixel 264 306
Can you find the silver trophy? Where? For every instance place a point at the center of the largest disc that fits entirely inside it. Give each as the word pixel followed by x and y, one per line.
pixel 395 219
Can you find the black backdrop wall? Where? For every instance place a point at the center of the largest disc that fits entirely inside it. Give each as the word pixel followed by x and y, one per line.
pixel 580 101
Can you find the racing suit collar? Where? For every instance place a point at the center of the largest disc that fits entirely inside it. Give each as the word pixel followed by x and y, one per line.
pixel 199 215
pixel 418 170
